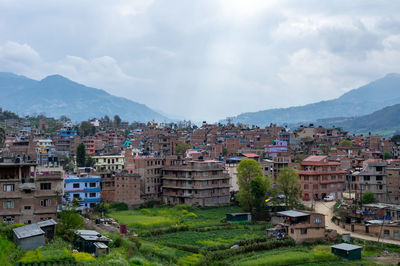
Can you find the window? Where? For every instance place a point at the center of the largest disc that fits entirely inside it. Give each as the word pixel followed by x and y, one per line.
pixel 92 195
pixel 45 186
pixel 45 203
pixel 317 220
pixel 27 207
pixel 92 184
pixel 379 178
pixel 8 205
pixel 8 188
pixel 305 186
pixel 76 196
pixel 303 231
pixel 291 230
pixel 366 178
pixel 75 185
pixel 306 178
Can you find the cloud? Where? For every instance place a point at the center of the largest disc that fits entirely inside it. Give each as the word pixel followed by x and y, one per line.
pixel 205 59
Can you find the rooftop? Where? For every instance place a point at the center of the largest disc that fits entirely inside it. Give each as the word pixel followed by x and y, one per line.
pixel 28 231
pixel 347 247
pixel 293 214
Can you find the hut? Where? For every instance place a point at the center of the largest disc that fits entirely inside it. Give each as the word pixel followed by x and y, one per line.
pixel 238 217
pixel 347 251
pixel 29 237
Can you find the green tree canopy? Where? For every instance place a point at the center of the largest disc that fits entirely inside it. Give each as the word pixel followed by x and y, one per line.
pixel 368 197
pixel 117 121
pixel 253 185
pixel 87 129
pixel 289 185
pixel 80 155
pixel 181 148
pixel 346 143
pixel 69 221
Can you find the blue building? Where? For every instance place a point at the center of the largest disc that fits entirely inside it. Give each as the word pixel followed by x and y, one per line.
pixel 84 187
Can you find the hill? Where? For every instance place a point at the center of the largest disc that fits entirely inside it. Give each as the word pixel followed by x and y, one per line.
pixel 56 96
pixel 364 100
pixel 384 122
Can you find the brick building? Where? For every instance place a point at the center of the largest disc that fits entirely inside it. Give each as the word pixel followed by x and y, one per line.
pixel 28 196
pixel 320 178
pixel 201 183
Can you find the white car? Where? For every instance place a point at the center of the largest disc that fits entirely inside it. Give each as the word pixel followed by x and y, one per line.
pixel 329 198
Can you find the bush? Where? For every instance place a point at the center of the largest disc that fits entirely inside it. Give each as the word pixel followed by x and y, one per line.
pixel 136 261
pixel 119 207
pixel 83 256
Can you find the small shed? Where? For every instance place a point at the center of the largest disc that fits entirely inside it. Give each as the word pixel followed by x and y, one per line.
pixel 101 249
pixel 238 217
pixel 347 251
pixel 49 228
pixel 85 240
pixel 29 237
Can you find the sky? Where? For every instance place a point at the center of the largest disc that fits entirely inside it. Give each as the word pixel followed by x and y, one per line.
pixel 205 59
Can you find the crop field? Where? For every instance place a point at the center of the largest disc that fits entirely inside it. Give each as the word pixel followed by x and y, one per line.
pixel 208 238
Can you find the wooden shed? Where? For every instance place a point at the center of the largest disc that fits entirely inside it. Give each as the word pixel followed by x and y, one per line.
pixel 347 251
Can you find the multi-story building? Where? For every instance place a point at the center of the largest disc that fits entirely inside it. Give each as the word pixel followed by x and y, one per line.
pixel 83 187
pixel 149 168
pixel 28 196
pixel 109 162
pixel 393 181
pixel 373 179
pixel 320 178
pixel 121 187
pixel 201 183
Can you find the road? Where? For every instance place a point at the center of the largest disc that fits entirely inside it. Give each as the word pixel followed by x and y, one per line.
pixel 327 209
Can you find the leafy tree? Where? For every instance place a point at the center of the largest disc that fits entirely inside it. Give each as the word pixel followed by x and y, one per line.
pixel 89 161
pixel 289 185
pixel 325 148
pixel 80 155
pixel 253 185
pixel 69 221
pixel 387 155
pixel 368 197
pixel 181 148
pixel 2 137
pixel 346 143
pixel 395 138
pixel 87 129
pixel 259 187
pixel 117 121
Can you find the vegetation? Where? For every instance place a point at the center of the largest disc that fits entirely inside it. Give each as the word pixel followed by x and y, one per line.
pixel 80 155
pixel 181 148
pixel 346 143
pixel 368 197
pixel 288 183
pixel 253 186
pixel 68 221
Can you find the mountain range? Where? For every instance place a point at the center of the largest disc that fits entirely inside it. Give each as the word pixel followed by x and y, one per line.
pixel 56 95
pixel 357 102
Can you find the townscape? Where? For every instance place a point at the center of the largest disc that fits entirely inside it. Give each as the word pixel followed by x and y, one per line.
pixel 104 191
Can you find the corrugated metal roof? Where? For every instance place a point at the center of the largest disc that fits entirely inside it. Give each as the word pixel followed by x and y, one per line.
pixel 347 247
pixel 100 245
pixel 28 231
pixel 293 213
pixel 47 223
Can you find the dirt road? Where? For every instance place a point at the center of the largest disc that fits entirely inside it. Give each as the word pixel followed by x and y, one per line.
pixel 327 209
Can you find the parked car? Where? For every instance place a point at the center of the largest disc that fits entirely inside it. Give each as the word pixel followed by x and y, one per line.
pixel 329 198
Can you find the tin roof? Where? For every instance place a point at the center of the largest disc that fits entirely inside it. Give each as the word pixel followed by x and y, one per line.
pixel 91 235
pixel 347 247
pixel 293 214
pixel 28 231
pixel 47 223
pixel 100 245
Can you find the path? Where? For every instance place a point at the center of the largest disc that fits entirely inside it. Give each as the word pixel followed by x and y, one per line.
pixel 327 209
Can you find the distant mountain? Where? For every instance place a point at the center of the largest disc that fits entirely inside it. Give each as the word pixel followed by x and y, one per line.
pixel 384 122
pixel 364 100
pixel 56 96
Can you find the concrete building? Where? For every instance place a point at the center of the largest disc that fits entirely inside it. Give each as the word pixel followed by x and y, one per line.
pixel 109 162
pixel 393 181
pixel 84 187
pixel 373 179
pixel 320 178
pixel 28 196
pixel 200 183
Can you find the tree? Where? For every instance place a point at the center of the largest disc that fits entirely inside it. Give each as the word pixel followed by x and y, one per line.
pixel 253 185
pixel 117 121
pixel 181 148
pixel 87 129
pixel 69 221
pixel 368 197
pixel 259 187
pixel 80 155
pixel 89 161
pixel 387 155
pixel 289 185
pixel 346 143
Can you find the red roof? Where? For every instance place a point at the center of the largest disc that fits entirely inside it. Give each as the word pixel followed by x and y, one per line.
pixel 251 155
pixel 315 158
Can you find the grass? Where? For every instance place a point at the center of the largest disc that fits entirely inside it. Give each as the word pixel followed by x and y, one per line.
pixel 9 252
pixel 208 238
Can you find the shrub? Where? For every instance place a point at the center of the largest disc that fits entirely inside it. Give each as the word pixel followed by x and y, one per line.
pixel 190 260
pixel 120 206
pixel 83 256
pixel 136 261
